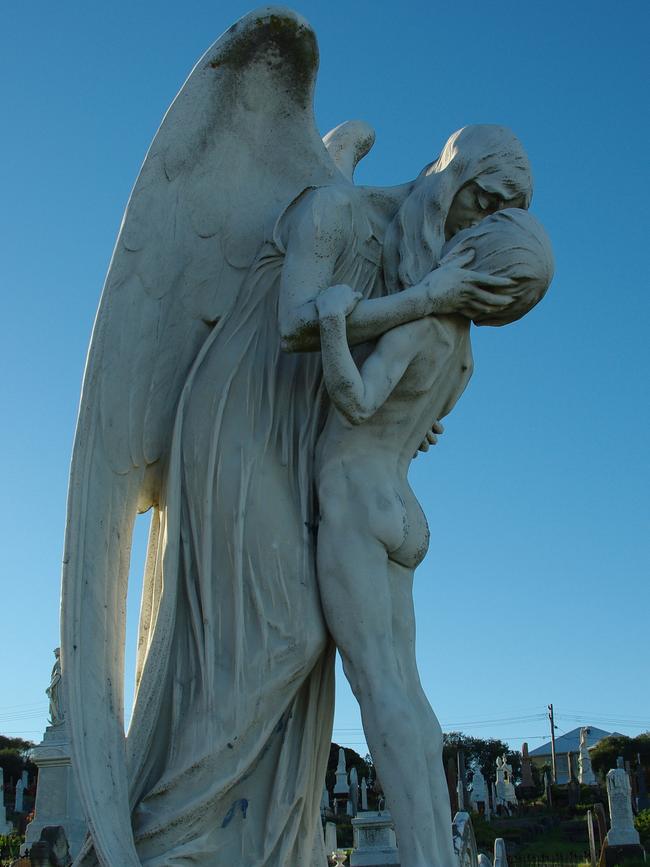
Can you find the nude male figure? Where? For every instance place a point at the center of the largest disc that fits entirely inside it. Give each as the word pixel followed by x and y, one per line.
pixel 372 532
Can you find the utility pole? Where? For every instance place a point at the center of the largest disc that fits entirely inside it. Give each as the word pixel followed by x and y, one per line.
pixel 552 722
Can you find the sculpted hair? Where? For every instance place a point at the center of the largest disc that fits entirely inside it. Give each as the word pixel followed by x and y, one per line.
pixel 490 155
pixel 513 244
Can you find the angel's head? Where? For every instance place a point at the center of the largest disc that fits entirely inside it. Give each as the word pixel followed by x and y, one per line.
pixel 510 243
pixel 482 169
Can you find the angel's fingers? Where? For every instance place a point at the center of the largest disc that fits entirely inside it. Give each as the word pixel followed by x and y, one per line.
pixel 432 438
pixel 437 427
pixel 424 446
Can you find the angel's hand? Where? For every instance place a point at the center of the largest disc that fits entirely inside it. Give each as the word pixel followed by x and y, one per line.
pixel 431 438
pixel 453 288
pixel 335 301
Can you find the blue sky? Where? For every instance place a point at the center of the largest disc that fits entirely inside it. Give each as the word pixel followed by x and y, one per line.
pixel 535 588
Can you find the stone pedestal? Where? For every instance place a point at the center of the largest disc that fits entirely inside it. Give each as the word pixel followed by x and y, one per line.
pixel 374 841
pixel 57 801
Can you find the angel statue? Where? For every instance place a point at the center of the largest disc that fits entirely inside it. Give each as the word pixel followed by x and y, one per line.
pixel 204 400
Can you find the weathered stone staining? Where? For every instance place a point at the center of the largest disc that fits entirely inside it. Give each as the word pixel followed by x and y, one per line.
pixel 246 261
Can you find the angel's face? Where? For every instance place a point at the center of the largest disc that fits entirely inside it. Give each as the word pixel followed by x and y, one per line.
pixel 470 205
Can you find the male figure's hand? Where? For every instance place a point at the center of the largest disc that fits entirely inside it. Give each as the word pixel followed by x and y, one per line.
pixel 335 301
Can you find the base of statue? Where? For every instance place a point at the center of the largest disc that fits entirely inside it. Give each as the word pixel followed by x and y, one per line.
pixel 615 854
pixel 374 841
pixel 57 801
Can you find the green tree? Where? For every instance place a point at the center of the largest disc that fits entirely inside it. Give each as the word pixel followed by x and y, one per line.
pixel 605 753
pixel 480 753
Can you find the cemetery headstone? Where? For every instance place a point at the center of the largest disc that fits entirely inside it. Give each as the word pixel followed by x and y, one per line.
pixel 5 826
pixel 341 784
pixel 324 800
pixel 500 854
pixel 591 831
pixel 375 844
pixel 479 796
pixel 18 803
pixel 527 781
pixel 364 794
pixel 353 802
pixel 622 831
pixel 643 801
pixel 331 842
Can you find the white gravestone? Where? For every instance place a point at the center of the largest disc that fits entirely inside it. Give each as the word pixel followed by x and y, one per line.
pixel 375 844
pixel 341 786
pixel 18 803
pixel 364 795
pixel 484 861
pixel 25 778
pixel 330 837
pixel 5 826
pixel 586 775
pixel 353 803
pixel 505 789
pixel 325 800
pixel 479 793
pixel 619 794
pixel 500 854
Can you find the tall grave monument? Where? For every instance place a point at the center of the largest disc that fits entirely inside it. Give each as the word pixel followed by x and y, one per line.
pixel 223 393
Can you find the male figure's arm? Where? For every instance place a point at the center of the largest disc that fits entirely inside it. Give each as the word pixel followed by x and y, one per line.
pixel 359 394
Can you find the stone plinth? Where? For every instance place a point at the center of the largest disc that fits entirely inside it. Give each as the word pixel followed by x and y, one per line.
pixel 57 801
pixel 374 841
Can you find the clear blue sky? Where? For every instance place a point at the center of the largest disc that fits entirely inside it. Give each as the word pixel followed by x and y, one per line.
pixel 535 588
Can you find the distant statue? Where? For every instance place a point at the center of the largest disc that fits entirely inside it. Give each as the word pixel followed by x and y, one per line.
pixel 53 691
pixel 586 775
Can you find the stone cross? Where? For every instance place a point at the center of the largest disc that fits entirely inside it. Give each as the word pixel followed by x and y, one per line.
pixel 364 794
pixel 619 794
pixel 18 806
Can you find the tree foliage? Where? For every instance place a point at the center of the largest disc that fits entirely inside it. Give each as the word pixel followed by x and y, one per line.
pixel 480 753
pixel 605 753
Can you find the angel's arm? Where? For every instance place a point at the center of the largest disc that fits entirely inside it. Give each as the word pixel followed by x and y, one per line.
pixel 359 394
pixel 316 236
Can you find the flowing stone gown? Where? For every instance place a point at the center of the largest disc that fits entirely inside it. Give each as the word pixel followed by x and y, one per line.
pixel 249 690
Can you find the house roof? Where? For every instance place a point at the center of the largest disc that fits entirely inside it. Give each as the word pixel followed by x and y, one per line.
pixel 570 742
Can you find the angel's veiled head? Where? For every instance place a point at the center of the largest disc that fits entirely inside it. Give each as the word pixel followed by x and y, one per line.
pixel 482 169
pixel 512 244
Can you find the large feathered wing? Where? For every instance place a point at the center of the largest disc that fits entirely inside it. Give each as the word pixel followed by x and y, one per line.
pixel 237 144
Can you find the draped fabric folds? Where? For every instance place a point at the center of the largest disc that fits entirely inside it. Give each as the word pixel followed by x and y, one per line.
pixel 230 735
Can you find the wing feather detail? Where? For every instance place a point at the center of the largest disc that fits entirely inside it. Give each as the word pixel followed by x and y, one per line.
pixel 237 144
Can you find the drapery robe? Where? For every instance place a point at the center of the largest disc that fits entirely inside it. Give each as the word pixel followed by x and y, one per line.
pixel 232 722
